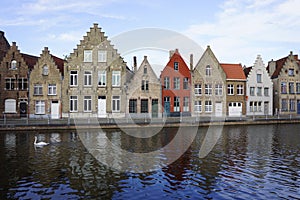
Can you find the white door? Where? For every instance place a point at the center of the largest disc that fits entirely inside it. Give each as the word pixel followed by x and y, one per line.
pixel 218 109
pixel 235 109
pixel 54 110
pixel 101 106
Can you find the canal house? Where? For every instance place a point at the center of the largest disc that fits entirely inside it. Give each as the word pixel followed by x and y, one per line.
pixel 45 86
pixel 259 89
pixel 95 78
pixel 144 92
pixel 286 79
pixel 235 86
pixel 176 80
pixel 14 71
pixel 208 82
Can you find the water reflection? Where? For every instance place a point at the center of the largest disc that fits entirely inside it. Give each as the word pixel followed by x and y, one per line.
pixel 247 162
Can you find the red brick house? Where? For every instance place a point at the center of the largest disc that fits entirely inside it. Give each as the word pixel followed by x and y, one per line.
pixel 176 80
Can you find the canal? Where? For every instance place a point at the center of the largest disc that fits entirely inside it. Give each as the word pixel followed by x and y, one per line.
pixel 230 162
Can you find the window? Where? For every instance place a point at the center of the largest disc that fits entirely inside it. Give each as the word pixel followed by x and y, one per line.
pixel 39 107
pixel 284 106
pixel 87 56
pixel 87 78
pixel 208 106
pixel 45 71
pixel 291 72
pixel 208 89
pixel 230 89
pixel 144 105
pixel 292 105
pixel 251 106
pixel 208 70
pixel 283 88
pixel 166 83
pixel 10 106
pixel 266 92
pixel 259 91
pixel 87 103
pixel 259 109
pixel 291 88
pixel 298 88
pixel 218 89
pixel 73 78
pixel 197 89
pixel 185 83
pixel 102 78
pixel 176 66
pixel 145 85
pixel 166 99
pixel 102 56
pixel 52 89
pixel 186 104
pixel 13 64
pixel 73 103
pixel 198 106
pixel 38 89
pixel 176 83
pixel 240 90
pixel 255 106
pixel 132 106
pixel 252 91
pixel 10 83
pixel 258 78
pixel 116 103
pixel 176 104
pixel 116 78
pixel 145 69
pixel 22 83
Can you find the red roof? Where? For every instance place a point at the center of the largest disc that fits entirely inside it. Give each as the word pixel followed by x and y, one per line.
pixel 30 60
pixel 279 64
pixel 59 63
pixel 233 71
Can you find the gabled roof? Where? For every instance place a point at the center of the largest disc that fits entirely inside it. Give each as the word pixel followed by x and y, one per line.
pixel 247 71
pixel 59 62
pixel 30 60
pixel 233 71
pixel 280 63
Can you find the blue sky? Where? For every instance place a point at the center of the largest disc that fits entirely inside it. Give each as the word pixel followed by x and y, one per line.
pixel 236 30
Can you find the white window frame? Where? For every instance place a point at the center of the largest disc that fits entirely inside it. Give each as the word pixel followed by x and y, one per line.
pixel 52 89
pixel 176 83
pixel 87 55
pixel 186 102
pixel 11 83
pixel 208 89
pixel 116 103
pixel 198 106
pixel 116 78
pixel 259 91
pixel 198 89
pixel 73 78
pixel 45 71
pixel 40 108
pixel 252 91
pixel 38 89
pixel 23 82
pixel 102 56
pixel 230 89
pixel 185 83
pixel 166 82
pixel 219 89
pixel 208 106
pixel 240 89
pixel 266 91
pixel 208 70
pixel 13 65
pixel 87 104
pixel 176 104
pixel 87 80
pixel 73 103
pixel 102 78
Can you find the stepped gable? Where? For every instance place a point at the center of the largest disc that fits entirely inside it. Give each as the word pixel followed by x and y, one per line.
pixel 233 71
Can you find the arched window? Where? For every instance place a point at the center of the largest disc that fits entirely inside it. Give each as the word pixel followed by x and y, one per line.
pixel 208 70
pixel 10 106
pixel 13 64
pixel 45 70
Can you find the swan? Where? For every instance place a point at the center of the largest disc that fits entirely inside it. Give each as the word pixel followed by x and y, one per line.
pixel 39 143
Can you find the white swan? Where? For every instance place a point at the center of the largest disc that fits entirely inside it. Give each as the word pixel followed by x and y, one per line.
pixel 39 143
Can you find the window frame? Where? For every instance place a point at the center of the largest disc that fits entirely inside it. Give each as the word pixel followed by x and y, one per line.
pixel 52 89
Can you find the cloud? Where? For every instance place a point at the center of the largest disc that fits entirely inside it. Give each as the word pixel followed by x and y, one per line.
pixel 245 27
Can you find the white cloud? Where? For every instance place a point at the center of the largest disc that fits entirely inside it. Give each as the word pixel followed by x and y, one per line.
pixel 245 27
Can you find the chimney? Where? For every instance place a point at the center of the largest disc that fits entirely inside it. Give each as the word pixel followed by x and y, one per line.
pixel 171 52
pixel 272 67
pixel 191 62
pixel 134 64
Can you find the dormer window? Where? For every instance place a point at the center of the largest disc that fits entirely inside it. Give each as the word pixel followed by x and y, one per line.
pixel 45 70
pixel 13 64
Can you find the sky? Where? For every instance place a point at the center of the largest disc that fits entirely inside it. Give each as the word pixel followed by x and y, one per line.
pixel 236 30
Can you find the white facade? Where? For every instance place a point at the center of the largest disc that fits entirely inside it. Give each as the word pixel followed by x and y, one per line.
pixel 259 90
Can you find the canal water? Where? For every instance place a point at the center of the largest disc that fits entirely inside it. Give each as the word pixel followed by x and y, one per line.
pixel 242 162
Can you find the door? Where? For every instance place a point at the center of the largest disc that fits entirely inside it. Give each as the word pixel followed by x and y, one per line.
pixel 154 107
pixel 54 110
pixel 266 108
pixel 167 108
pixel 23 109
pixel 298 107
pixel 219 109
pixel 101 106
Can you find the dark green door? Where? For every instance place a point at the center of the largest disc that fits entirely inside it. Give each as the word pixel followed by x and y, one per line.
pixel 154 107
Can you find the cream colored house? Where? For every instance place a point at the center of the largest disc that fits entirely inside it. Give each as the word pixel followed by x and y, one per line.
pixel 144 92
pixel 209 87
pixel 95 79
pixel 45 87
